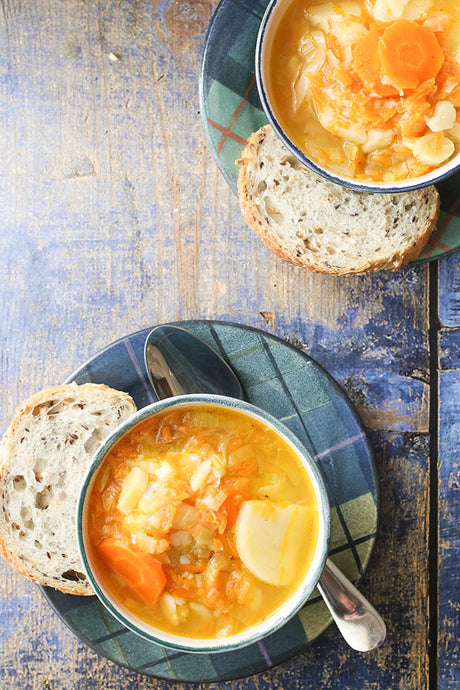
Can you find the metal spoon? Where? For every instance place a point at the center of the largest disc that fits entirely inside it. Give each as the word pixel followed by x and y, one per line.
pixel 178 363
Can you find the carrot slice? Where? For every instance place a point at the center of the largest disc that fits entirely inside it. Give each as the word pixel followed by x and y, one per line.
pixel 409 53
pixel 166 434
pixel 141 571
pixel 366 62
pixel 187 593
pixel 193 567
pixel 232 504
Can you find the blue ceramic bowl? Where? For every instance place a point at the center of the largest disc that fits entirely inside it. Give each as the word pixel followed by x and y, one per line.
pixel 281 615
pixel 268 26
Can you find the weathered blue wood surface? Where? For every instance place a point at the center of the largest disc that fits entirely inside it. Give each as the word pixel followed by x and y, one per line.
pixel 114 218
pixel 449 472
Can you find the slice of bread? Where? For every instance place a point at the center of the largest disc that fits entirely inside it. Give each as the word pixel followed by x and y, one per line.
pixel 43 457
pixel 311 222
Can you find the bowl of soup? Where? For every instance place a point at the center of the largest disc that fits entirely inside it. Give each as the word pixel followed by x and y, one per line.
pixel 203 523
pixel 365 93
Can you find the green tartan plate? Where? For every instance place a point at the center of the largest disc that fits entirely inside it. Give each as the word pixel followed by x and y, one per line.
pixel 294 388
pixel 231 109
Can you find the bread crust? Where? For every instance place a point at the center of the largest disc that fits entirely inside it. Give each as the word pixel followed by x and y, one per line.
pixel 248 163
pixel 19 457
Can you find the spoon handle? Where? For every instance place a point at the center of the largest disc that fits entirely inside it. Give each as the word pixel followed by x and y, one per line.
pixel 358 621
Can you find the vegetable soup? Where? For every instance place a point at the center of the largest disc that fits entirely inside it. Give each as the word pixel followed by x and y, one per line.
pixel 369 89
pixel 202 521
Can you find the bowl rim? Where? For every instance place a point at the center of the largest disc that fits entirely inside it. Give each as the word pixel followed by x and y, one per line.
pixel 281 615
pixel 440 173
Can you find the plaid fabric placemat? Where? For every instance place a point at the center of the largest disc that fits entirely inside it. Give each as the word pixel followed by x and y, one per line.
pixel 231 109
pixel 294 388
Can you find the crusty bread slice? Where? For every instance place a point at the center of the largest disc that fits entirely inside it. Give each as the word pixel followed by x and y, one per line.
pixel 324 227
pixel 43 456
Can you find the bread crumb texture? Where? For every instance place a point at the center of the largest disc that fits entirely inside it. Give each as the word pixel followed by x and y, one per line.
pixel 44 455
pixel 311 222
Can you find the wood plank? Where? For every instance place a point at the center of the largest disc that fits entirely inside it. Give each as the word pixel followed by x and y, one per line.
pixel 449 291
pixel 449 474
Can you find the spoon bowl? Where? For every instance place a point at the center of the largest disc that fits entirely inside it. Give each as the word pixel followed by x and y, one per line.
pixel 179 363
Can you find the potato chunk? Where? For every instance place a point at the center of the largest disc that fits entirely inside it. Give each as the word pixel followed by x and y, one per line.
pixel 133 487
pixel 431 149
pixel 443 117
pixel 270 540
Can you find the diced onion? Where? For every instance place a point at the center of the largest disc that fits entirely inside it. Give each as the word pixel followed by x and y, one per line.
pixel 313 51
pixel 180 538
pixel 199 477
pixel 168 606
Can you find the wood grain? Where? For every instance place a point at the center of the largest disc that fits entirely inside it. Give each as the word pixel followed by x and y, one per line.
pixel 114 217
pixel 449 473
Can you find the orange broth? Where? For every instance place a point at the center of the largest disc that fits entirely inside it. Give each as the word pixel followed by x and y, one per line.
pixel 369 89
pixel 170 492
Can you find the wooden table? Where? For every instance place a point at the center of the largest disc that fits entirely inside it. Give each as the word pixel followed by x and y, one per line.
pixel 114 217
